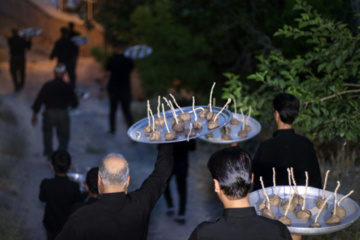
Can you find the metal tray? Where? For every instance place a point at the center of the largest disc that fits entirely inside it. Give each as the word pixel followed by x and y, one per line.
pixel 136 131
pixel 30 32
pixel 301 227
pixel 234 130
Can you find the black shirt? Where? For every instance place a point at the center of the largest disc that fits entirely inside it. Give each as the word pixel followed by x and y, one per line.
pixel 65 50
pixel 59 194
pixel 285 150
pixel 120 68
pixel 241 223
pixel 120 215
pixel 55 94
pixel 18 45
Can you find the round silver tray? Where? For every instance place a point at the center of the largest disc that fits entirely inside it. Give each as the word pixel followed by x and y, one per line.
pixel 30 32
pixel 138 51
pixel 301 227
pixel 234 130
pixel 79 40
pixel 136 131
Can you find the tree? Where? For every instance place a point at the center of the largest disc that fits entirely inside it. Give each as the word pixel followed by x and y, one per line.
pixel 325 78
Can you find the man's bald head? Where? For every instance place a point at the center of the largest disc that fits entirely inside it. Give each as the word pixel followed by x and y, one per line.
pixel 114 170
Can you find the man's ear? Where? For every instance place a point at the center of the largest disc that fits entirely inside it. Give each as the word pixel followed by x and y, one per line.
pixel 252 177
pixel 52 166
pixel 99 179
pixel 217 188
pixel 127 182
pixel 276 115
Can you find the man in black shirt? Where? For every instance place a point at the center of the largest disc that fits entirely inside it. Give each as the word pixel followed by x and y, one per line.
pixel 230 169
pixel 73 33
pixel 18 45
pixel 66 51
pixel 59 194
pixel 118 214
pixel 118 69
pixel 286 149
pixel 57 96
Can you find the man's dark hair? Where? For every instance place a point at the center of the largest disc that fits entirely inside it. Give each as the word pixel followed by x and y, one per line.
pixel 15 31
pixel 92 180
pixel 64 31
pixel 61 161
pixel 232 168
pixel 287 106
pixel 71 25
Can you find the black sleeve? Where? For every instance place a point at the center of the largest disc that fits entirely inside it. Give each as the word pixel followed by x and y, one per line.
pixel 314 170
pixel 55 51
pixel 256 168
pixel 155 184
pixel 28 44
pixel 42 195
pixel 194 235
pixel 39 100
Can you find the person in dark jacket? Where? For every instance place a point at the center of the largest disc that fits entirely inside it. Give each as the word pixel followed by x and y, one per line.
pixel 57 96
pixel 59 194
pixel 18 45
pixel 91 186
pixel 286 149
pixel 118 214
pixel 118 73
pixel 230 169
pixel 66 52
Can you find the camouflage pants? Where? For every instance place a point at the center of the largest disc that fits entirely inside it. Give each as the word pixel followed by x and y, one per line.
pixel 58 119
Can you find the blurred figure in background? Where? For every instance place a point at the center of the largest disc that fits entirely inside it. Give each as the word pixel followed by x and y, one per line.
pixel 18 45
pixel 118 73
pixel 181 166
pixel 91 185
pixel 73 33
pixel 59 194
pixel 66 52
pixel 57 96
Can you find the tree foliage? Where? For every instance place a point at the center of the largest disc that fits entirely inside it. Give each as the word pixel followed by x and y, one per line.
pixel 325 77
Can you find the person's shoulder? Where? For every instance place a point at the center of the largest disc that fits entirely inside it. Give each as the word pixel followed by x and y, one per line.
pixel 303 139
pixel 272 224
pixel 47 181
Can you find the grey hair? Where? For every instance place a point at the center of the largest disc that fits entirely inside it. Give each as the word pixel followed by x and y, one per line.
pixel 116 178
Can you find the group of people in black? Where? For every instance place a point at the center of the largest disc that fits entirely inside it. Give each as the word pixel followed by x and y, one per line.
pixel 110 211
pixel 115 213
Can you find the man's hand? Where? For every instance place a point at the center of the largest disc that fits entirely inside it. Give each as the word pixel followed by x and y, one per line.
pixel 34 119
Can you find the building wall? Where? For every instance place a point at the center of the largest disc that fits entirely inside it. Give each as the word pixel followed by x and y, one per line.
pixel 34 13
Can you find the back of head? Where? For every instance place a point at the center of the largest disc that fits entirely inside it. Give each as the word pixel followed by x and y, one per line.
pixel 61 161
pixel 92 180
pixel 232 168
pixel 71 25
pixel 287 106
pixel 114 170
pixel 15 32
pixel 119 45
pixel 64 31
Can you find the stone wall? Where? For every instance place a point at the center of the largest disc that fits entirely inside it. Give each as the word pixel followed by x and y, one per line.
pixel 34 13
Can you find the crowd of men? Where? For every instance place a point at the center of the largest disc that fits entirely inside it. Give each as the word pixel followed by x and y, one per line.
pixel 110 211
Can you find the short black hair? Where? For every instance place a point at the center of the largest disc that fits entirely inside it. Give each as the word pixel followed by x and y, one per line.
pixel 64 31
pixel 287 106
pixel 71 25
pixel 92 180
pixel 232 168
pixel 61 161
pixel 15 31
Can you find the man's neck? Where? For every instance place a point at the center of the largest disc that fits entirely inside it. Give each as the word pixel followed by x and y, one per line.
pixel 283 126
pixel 61 174
pixel 239 203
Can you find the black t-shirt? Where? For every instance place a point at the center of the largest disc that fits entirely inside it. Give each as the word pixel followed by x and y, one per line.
pixel 18 45
pixel 285 150
pixel 120 68
pixel 65 50
pixel 55 94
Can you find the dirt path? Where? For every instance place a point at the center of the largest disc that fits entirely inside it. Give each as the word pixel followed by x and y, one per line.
pixel 89 143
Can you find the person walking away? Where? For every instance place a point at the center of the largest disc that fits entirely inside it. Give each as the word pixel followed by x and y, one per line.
pixel 59 194
pixel 73 33
pixel 230 170
pixel 118 73
pixel 57 96
pixel 66 51
pixel 18 45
